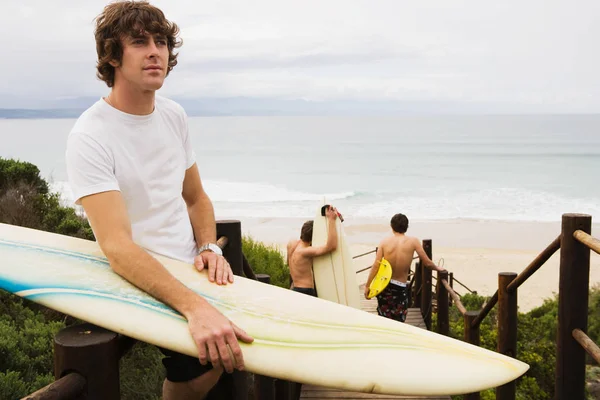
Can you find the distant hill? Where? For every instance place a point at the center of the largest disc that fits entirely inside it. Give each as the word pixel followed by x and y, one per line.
pixel 24 113
pixel 247 106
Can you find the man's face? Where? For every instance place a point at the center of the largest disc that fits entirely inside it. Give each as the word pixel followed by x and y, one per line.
pixel 144 62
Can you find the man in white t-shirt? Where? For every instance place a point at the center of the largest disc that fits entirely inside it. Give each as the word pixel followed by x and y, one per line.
pixel 131 166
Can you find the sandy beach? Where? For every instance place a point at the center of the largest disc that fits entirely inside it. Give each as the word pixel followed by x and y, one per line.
pixel 475 251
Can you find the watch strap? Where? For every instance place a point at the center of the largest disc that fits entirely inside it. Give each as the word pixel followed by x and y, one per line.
pixel 212 247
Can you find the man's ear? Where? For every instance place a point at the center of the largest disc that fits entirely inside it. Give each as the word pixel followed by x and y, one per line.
pixel 114 63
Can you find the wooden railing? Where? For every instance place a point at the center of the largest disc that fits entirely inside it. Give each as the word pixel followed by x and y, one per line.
pixel 572 342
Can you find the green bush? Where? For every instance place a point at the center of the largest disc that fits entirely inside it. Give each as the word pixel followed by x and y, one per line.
pixel 265 259
pixel 536 342
pixel 26 345
pixel 14 172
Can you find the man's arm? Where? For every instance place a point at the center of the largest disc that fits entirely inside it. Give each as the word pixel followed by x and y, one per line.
pixel 290 249
pixel 332 238
pixel 107 215
pixel 424 258
pixel 374 268
pixel 202 217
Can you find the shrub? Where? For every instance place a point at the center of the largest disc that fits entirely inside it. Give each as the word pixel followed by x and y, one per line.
pixel 266 259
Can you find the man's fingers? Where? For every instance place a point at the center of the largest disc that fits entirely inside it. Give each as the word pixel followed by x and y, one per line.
pixel 230 273
pixel 213 352
pixel 236 351
pixel 212 265
pixel 202 353
pixel 199 263
pixel 219 272
pixel 241 334
pixel 224 353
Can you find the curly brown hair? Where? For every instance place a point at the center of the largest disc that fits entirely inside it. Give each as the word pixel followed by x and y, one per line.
pixel 130 18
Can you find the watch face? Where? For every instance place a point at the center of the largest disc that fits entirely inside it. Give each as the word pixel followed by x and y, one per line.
pixel 215 249
pixel 212 247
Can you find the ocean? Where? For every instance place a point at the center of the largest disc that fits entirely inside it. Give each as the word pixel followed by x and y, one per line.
pixel 509 168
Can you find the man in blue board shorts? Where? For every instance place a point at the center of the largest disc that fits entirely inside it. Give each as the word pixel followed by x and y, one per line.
pixel 131 166
pixel 398 249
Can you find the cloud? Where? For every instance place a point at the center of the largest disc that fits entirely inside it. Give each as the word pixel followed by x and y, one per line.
pixel 536 52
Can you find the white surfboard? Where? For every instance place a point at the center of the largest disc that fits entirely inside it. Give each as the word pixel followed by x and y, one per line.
pixel 297 337
pixel 335 277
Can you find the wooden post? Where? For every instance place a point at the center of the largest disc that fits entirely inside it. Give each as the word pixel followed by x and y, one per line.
pixel 232 252
pixel 416 286
pixel 451 283
pixel 443 324
pixel 573 291
pixel 264 388
pixel 426 291
pixel 507 329
pixel 264 278
pixel 248 272
pixel 471 336
pixel 92 352
pixel 284 390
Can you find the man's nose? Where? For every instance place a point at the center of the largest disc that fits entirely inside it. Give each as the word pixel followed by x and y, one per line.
pixel 152 49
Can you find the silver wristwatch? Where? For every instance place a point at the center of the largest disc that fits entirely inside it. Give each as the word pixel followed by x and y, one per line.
pixel 212 247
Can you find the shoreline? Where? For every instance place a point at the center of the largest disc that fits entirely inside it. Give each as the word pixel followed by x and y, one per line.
pixel 474 250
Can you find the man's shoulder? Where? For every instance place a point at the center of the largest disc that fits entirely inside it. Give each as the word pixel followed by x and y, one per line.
pixel 412 239
pixel 92 120
pixel 387 240
pixel 292 243
pixel 168 105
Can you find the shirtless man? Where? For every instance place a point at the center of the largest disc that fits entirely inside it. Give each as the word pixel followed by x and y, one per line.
pixel 300 254
pixel 398 249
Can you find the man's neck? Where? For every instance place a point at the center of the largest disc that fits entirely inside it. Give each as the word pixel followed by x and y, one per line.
pixel 134 102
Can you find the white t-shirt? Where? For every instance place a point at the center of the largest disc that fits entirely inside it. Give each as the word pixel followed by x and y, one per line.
pixel 143 157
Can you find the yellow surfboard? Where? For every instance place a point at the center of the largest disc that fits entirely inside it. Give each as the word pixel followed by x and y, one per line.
pixel 381 279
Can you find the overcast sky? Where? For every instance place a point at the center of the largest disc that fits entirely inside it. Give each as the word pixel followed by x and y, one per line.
pixel 543 53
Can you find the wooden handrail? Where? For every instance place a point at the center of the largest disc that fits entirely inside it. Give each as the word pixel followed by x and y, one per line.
pixel 364 254
pixel 222 242
pixel 587 343
pixel 522 277
pixel 485 310
pixel 364 269
pixel 372 251
pixel 588 240
pixel 463 285
pixel 70 386
pixel 455 297
pixel 535 264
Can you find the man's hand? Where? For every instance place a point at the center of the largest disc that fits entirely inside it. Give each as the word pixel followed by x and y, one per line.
pixel 219 269
pixel 217 338
pixel 331 213
pixel 367 292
